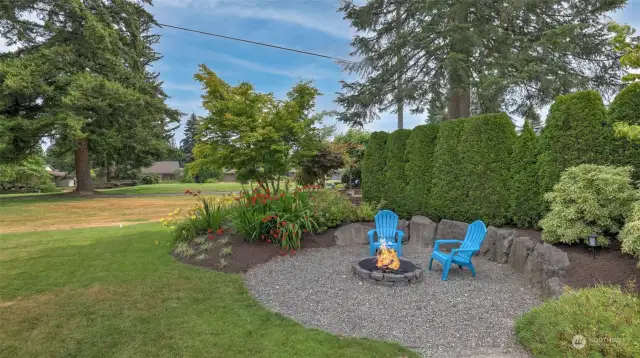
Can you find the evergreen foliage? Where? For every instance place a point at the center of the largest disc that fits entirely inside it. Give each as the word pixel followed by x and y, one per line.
pixel 374 163
pixel 486 150
pixel 448 196
pixel 190 137
pixel 419 171
pixel 576 132
pixel 394 173
pixel 525 192
pixel 588 199
pixel 624 113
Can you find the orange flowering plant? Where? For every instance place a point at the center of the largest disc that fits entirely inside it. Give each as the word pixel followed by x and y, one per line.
pixel 275 217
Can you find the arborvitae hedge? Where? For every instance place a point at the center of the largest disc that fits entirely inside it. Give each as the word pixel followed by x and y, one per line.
pixel 395 179
pixel 375 160
pixel 419 155
pixel 485 152
pixel 576 132
pixel 626 108
pixel 448 196
pixel 526 198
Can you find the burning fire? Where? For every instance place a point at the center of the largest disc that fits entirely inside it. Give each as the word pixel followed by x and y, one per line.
pixel 387 258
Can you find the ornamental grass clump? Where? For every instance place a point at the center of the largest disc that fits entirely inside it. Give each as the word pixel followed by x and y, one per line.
pixel 588 199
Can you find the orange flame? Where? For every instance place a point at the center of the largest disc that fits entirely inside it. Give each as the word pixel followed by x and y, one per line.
pixel 387 259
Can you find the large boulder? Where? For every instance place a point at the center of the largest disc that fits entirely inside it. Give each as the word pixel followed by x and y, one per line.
pixel 449 229
pixel 544 263
pixel 553 287
pixel 521 248
pixel 403 225
pixel 422 231
pixel 352 235
pixel 497 244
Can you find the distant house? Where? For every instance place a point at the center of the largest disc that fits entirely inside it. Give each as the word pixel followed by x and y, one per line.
pixel 229 175
pixel 167 170
pixel 62 179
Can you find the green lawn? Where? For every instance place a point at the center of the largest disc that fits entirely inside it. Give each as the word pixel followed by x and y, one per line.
pixel 104 292
pixel 174 188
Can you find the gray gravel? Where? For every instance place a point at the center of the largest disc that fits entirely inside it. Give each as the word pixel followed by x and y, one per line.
pixel 462 317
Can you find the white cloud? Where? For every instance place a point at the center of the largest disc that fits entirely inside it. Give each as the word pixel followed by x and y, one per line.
pixel 305 72
pixel 4 47
pixel 181 87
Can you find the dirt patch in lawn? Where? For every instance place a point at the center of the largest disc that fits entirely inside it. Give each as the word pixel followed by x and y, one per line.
pixel 246 255
pixel 609 267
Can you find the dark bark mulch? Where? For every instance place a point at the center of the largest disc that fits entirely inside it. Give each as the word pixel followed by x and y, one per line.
pixel 610 266
pixel 246 255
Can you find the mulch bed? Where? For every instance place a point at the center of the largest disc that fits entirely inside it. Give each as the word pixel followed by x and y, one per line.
pixel 246 255
pixel 610 267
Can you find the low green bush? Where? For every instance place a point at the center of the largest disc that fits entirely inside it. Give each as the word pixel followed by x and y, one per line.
pixel 150 178
pixel 606 317
pixel 332 209
pixel 630 234
pixel 588 199
pixel 366 212
pixel 208 217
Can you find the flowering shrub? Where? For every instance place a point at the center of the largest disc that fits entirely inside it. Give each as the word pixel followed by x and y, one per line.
pixel 630 234
pixel 206 217
pixel 275 217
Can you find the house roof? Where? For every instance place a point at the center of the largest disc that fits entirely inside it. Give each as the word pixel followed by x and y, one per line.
pixel 56 173
pixel 166 167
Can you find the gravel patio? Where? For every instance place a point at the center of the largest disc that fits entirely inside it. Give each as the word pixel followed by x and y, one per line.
pixel 462 317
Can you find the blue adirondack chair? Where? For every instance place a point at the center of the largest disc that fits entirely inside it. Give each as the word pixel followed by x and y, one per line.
pixel 386 227
pixel 460 256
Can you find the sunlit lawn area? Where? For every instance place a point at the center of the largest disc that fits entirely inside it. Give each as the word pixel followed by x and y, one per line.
pixel 106 292
pixel 174 188
pixel 37 213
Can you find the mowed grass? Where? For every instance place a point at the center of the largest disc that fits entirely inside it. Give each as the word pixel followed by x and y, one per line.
pixel 37 213
pixel 174 188
pixel 116 292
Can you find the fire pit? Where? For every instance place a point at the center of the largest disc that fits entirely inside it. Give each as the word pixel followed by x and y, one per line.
pixel 386 269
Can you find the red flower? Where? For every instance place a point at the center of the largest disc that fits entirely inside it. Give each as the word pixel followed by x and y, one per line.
pixel 282 253
pixel 220 231
pixel 275 236
pixel 268 241
pixel 210 236
pixel 210 231
pixel 262 237
pixel 304 230
pixel 187 191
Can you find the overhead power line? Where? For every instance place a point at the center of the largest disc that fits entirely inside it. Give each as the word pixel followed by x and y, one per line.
pixel 254 42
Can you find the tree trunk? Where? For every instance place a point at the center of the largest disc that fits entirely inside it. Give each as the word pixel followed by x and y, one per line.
pixel 459 76
pixel 83 170
pixel 400 69
pixel 400 114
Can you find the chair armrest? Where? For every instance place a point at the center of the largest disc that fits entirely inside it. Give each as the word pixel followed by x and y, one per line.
pixel 370 235
pixel 400 236
pixel 453 251
pixel 438 242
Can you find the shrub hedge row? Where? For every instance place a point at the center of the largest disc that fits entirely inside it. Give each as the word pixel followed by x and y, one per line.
pixel 478 168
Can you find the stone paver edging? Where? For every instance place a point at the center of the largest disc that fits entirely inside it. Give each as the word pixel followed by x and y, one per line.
pixel 387 279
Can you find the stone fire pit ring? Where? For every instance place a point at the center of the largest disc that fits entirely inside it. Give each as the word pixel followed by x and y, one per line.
pixel 364 270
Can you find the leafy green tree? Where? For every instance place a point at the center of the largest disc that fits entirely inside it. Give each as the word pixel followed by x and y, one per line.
pixel 373 165
pixel 419 170
pixel 28 175
pixel 486 150
pixel 81 77
pixel 353 143
pixel 190 137
pixel 588 199
pixel 60 158
pixel 525 192
pixel 253 133
pixel 628 45
pixel 576 132
pixel 503 55
pixel 394 172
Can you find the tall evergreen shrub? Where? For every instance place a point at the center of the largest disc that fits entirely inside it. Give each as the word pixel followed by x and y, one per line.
pixel 486 148
pixel 625 108
pixel 448 195
pixel 576 132
pixel 375 160
pixel 419 155
pixel 525 192
pixel 395 179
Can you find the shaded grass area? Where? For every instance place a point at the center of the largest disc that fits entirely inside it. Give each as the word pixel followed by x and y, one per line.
pixel 65 212
pixel 606 317
pixel 174 188
pixel 116 292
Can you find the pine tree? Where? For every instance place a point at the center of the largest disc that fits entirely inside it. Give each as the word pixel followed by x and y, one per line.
pixel 190 137
pixel 81 77
pixel 496 50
